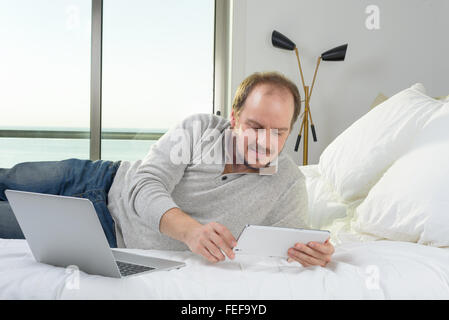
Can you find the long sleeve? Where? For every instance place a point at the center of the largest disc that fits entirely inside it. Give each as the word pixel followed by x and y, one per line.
pixel 161 170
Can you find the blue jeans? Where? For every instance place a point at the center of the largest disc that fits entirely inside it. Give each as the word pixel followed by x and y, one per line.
pixel 71 177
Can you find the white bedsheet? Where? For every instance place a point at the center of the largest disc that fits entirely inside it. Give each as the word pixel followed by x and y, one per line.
pixel 359 270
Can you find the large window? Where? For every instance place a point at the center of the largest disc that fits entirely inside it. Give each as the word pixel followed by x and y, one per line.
pixel 44 80
pixel 157 68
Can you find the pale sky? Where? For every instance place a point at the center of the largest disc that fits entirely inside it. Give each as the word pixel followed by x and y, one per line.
pixel 157 62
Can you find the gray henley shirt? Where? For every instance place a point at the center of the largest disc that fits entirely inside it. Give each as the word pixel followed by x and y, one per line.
pixel 143 190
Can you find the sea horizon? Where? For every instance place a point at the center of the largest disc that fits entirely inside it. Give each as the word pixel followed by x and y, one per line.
pixel 17 150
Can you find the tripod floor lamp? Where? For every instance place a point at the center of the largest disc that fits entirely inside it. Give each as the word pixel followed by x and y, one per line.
pixel 336 54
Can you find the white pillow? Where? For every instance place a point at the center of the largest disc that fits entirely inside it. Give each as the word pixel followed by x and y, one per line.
pixel 323 205
pixel 359 156
pixel 411 200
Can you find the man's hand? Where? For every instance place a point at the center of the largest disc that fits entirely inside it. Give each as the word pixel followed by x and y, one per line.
pixel 312 254
pixel 210 240
pixel 206 240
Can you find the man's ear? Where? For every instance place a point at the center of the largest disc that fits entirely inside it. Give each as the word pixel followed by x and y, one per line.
pixel 232 119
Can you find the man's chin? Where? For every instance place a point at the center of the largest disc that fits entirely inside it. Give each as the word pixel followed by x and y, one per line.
pixel 256 164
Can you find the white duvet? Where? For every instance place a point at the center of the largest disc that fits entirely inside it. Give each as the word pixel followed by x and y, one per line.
pixel 359 270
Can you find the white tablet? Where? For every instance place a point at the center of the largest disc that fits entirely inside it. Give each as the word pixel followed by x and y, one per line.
pixel 275 241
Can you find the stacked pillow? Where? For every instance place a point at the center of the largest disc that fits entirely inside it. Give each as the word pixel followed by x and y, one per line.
pixel 359 156
pixel 411 200
pixel 392 162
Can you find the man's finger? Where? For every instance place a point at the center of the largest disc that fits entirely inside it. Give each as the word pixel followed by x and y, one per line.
pixel 220 243
pixel 225 234
pixel 299 256
pixel 206 254
pixel 325 248
pixel 311 252
pixel 290 260
pixel 214 250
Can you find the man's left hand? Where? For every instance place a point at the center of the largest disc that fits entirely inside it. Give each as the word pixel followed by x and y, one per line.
pixel 312 254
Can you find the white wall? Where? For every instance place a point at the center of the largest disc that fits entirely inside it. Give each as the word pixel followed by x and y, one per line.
pixel 410 46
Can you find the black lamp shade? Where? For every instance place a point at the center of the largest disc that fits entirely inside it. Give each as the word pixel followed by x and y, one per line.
pixel 335 54
pixel 280 41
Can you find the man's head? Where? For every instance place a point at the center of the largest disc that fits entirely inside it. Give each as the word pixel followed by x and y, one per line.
pixel 269 101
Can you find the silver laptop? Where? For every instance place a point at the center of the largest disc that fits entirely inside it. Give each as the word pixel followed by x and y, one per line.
pixel 65 231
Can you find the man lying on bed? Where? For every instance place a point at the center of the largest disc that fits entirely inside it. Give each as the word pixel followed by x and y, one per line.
pixel 179 196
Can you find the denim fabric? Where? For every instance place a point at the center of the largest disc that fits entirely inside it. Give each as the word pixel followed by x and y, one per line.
pixel 71 177
pixel 9 227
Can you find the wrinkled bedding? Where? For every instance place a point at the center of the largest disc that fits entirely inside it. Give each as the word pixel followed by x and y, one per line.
pixel 359 270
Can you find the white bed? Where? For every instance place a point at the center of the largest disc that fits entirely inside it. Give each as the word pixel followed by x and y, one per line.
pixel 361 269
pixel 380 188
pixel 371 270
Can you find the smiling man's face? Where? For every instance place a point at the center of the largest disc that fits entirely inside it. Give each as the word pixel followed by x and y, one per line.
pixel 267 107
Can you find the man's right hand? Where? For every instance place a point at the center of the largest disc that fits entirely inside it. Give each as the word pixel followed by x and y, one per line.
pixel 209 240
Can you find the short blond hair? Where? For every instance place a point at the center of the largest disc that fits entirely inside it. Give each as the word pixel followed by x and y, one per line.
pixel 274 78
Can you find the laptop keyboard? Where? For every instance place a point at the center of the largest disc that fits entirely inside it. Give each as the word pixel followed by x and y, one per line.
pixel 127 269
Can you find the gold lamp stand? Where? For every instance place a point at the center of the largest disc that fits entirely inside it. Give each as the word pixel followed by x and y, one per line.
pixel 335 54
pixel 306 115
pixel 305 125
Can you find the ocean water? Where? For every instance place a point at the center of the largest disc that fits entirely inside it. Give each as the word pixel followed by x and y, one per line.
pixel 15 150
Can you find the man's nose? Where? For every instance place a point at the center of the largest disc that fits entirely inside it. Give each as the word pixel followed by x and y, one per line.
pixel 266 138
